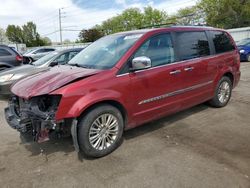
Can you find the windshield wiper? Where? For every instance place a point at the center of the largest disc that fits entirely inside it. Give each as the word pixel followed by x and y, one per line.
pixel 82 66
pixel 76 64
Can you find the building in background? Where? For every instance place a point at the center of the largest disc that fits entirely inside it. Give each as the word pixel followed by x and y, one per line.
pixel 18 47
pixel 240 33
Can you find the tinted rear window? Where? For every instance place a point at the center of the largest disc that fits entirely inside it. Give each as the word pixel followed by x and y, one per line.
pixel 192 44
pixel 49 50
pixel 222 42
pixel 4 52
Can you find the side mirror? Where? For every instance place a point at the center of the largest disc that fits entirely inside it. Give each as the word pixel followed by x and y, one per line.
pixel 140 63
pixel 54 63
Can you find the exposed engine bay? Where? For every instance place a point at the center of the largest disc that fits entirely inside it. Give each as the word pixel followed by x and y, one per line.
pixel 35 116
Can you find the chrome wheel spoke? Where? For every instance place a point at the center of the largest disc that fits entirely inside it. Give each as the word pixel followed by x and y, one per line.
pixel 226 87
pixel 98 143
pixel 109 120
pixel 224 92
pixel 112 132
pixel 103 119
pixel 94 130
pixel 103 131
pixel 93 139
pixel 113 124
pixel 109 139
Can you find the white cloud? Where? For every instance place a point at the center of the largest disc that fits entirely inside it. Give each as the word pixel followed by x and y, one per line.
pixel 45 14
pixel 173 6
pixel 121 2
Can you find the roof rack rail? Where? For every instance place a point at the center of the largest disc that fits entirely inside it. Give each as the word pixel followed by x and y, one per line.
pixel 173 24
pixel 158 25
pixel 203 26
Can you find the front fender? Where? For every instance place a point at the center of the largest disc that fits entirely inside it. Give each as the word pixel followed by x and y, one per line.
pixel 74 106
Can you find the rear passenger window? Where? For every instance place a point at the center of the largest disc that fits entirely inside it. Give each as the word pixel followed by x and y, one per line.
pixel 159 49
pixel 222 42
pixel 40 51
pixel 49 50
pixel 192 44
pixel 4 52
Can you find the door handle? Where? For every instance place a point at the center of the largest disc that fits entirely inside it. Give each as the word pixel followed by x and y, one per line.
pixel 188 69
pixel 175 72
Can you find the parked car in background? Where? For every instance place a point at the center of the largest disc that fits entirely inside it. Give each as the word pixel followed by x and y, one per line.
pixel 37 53
pixel 124 80
pixel 244 49
pixel 9 57
pixel 8 77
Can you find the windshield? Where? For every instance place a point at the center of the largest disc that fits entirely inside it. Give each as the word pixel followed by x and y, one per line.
pixel 245 42
pixel 45 59
pixel 105 52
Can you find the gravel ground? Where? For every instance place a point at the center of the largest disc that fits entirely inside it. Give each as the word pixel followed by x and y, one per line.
pixel 199 147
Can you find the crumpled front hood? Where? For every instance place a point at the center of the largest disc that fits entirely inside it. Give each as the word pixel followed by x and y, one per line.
pixel 46 82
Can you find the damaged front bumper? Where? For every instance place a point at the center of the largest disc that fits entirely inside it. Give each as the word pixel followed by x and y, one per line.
pixel 14 121
pixel 36 115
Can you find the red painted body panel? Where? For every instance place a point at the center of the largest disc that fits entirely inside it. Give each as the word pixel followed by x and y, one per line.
pixel 132 90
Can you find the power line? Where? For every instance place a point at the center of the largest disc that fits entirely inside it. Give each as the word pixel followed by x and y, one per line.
pixel 50 19
pixel 49 16
pixel 50 33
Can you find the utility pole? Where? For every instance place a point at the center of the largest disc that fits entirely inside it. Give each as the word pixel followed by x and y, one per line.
pixel 60 25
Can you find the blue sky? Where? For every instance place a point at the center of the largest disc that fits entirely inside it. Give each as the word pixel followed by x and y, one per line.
pixel 113 4
pixel 76 14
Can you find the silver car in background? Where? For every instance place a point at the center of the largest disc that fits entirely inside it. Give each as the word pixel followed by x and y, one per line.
pixel 37 53
pixel 8 77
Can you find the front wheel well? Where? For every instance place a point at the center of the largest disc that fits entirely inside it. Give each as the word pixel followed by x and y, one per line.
pixel 116 104
pixel 230 76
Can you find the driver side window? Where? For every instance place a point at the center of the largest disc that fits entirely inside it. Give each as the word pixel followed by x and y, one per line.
pixel 62 59
pixel 159 49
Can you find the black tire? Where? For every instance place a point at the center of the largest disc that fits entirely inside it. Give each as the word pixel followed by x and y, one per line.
pixel 84 127
pixel 215 102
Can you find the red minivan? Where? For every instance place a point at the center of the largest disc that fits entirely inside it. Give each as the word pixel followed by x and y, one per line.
pixel 124 80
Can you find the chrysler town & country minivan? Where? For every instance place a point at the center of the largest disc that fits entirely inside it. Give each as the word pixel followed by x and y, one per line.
pixel 124 80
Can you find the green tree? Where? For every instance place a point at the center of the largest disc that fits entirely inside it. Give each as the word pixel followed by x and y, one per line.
pixel 189 16
pixel 129 19
pixel 14 34
pixel 3 37
pixel 66 41
pixel 133 18
pixel 46 41
pixel 226 13
pixel 31 36
pixel 26 34
pixel 153 16
pixel 89 35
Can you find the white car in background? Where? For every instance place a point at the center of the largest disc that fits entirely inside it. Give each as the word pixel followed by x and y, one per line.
pixel 37 53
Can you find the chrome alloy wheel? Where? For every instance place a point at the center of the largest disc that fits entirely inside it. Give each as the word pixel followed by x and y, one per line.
pixel 103 131
pixel 224 92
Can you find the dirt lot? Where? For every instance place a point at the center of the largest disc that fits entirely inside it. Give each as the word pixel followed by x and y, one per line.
pixel 199 147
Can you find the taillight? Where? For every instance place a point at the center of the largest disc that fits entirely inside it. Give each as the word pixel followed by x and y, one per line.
pixel 19 58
